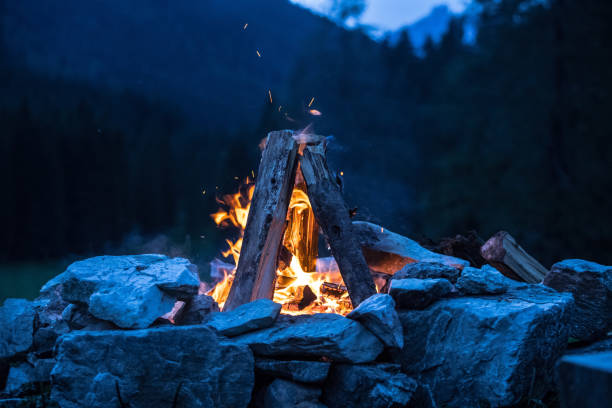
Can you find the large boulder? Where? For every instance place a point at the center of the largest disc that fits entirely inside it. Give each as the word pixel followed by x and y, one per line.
pixel 496 350
pixel 319 335
pixel 377 313
pixel 591 285
pixel 190 366
pixel 418 293
pixel 585 380
pixel 484 281
pixel 130 291
pixel 372 386
pixel 428 270
pixel 287 394
pixel 17 317
pixel 255 315
pixel 300 371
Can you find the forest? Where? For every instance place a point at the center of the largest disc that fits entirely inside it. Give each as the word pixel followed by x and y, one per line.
pixel 510 132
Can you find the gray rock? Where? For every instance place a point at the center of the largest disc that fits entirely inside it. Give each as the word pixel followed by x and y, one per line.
pixel 198 309
pixel 418 293
pixel 287 394
pixel 377 313
pixel 17 318
pixel 428 270
pixel 484 281
pixel 585 380
pixel 372 386
pixel 151 367
pixel 318 335
pixel 27 377
pixel 301 371
pixel 591 285
pixel 373 237
pixel 489 349
pixel 78 318
pixel 130 291
pixel 255 315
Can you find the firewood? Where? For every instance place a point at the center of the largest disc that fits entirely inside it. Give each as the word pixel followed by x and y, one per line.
pixel 502 252
pixel 332 215
pixel 256 271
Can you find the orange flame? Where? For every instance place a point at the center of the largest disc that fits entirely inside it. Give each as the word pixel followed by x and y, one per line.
pixel 299 291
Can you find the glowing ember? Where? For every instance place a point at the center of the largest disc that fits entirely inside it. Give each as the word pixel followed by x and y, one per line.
pixel 320 290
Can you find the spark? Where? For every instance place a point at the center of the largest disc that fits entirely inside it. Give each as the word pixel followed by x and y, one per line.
pixel 203 192
pixel 280 107
pixel 270 95
pixel 253 173
pixel 314 112
pixel 245 26
pixel 342 173
pixel 258 53
pixel 236 178
pixel 311 101
pixel 382 229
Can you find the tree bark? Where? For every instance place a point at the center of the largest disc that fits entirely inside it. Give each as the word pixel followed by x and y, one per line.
pixel 332 215
pixel 256 272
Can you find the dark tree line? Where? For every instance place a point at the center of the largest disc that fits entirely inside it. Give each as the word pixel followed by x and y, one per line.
pixel 511 132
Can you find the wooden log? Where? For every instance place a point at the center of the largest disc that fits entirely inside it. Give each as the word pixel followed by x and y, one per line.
pixel 503 253
pixel 332 215
pixel 256 271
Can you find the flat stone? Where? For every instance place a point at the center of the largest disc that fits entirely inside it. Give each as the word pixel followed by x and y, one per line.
pixel 198 309
pixel 301 371
pixel 287 394
pixel 591 285
pixel 376 386
pixel 27 377
pixel 377 313
pixel 130 291
pixel 487 350
pixel 484 281
pixel 428 270
pixel 319 335
pixel 17 318
pixel 255 315
pixel 585 380
pixel 376 241
pixel 418 293
pixel 151 368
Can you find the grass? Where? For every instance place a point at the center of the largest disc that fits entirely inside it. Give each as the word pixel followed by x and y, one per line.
pixel 24 280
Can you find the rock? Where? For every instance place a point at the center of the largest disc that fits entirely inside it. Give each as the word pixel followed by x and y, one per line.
pixel 27 378
pixel 190 366
pixel 586 380
pixel 255 315
pixel 375 386
pixel 17 318
pixel 418 293
pixel 596 347
pixel 287 394
pixel 591 285
pixel 317 335
pixel 487 350
pixel 484 281
pixel 377 313
pixel 387 252
pixel 301 371
pixel 14 403
pixel 130 291
pixel 198 310
pixel 78 318
pixel 428 270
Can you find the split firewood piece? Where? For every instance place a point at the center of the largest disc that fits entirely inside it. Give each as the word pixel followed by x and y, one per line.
pixel 256 272
pixel 387 252
pixel 502 252
pixel 332 215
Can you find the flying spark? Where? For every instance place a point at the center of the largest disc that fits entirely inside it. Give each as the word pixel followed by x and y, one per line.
pixel 258 54
pixel 245 26
pixel 314 112
pixel 270 95
pixel 280 107
pixel 311 101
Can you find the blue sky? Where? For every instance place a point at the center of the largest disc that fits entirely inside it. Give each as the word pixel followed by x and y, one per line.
pixel 391 14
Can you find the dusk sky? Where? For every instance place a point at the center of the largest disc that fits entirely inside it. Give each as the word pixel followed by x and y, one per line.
pixel 391 14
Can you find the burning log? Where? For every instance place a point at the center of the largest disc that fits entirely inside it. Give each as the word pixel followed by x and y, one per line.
pixel 502 252
pixel 256 271
pixel 332 214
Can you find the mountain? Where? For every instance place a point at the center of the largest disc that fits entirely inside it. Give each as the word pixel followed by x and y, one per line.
pixel 195 54
pixel 433 25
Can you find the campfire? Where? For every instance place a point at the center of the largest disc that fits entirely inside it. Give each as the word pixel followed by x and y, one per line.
pixel 288 251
